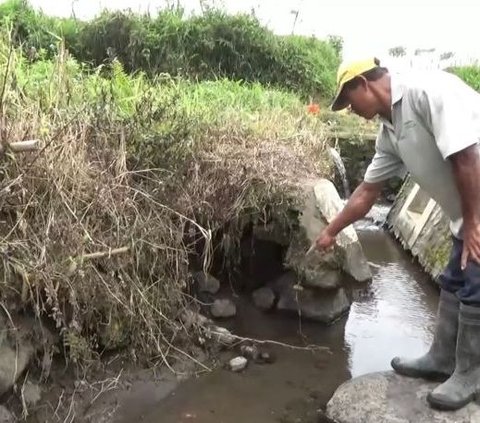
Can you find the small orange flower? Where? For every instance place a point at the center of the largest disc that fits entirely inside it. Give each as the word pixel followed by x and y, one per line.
pixel 313 108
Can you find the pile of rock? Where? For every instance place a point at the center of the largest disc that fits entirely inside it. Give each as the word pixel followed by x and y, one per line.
pixel 250 353
pixel 206 287
pixel 313 287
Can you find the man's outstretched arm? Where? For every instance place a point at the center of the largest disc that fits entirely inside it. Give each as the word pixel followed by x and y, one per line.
pixel 358 205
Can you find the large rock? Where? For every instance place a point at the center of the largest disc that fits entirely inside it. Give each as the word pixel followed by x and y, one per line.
pixel 319 305
pixel 16 352
pixel 206 282
pixel 321 204
pixel 390 398
pixel 330 204
pixel 5 415
pixel 13 362
pixel 322 278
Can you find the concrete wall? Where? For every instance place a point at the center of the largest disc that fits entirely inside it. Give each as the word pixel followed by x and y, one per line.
pixel 420 225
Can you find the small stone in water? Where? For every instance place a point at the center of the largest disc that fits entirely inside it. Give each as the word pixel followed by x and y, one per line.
pixel 264 298
pixel 223 308
pixel 250 351
pixel 265 357
pixel 237 364
pixel 222 335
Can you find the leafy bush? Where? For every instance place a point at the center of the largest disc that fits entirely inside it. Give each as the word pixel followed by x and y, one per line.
pixel 33 29
pixel 211 46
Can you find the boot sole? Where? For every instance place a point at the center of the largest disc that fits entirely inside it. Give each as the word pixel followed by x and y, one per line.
pixel 433 376
pixel 445 405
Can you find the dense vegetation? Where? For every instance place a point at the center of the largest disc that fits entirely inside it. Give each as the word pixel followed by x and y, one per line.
pixel 211 46
pixel 150 164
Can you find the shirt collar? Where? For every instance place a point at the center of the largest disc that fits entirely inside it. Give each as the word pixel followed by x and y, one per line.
pixel 397 88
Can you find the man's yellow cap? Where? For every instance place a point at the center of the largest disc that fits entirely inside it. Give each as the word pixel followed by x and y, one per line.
pixel 346 72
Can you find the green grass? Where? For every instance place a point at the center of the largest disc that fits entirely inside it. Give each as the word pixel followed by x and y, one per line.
pixel 470 74
pixel 211 46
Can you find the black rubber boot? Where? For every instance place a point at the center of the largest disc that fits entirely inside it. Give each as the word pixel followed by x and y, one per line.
pixel 464 385
pixel 439 362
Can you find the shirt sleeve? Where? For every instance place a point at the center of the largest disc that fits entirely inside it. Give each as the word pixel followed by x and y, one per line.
pixel 385 164
pixel 452 115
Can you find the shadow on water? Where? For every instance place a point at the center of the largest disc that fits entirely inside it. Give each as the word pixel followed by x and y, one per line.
pixel 394 314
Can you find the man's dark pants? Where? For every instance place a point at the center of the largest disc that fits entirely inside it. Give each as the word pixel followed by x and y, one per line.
pixel 464 283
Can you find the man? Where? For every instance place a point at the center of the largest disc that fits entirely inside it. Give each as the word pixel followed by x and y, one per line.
pixel 430 127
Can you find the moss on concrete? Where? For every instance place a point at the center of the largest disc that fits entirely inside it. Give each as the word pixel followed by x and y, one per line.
pixel 436 256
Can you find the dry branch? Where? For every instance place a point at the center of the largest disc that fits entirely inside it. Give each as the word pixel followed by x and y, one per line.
pixel 102 254
pixel 22 146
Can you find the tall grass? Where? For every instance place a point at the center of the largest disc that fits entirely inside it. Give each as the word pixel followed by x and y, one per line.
pixel 152 165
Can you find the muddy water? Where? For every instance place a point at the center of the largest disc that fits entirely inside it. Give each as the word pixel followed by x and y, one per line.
pixel 394 314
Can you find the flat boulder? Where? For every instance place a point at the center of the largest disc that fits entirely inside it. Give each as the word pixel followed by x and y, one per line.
pixel 321 306
pixel 390 398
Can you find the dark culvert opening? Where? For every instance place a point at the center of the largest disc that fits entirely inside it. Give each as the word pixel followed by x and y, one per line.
pixel 262 261
pixel 255 262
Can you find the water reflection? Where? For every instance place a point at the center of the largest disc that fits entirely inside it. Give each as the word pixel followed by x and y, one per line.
pixel 397 315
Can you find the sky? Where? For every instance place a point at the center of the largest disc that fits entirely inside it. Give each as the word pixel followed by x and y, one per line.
pixel 368 27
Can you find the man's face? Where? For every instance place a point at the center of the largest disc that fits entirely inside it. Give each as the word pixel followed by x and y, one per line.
pixel 361 99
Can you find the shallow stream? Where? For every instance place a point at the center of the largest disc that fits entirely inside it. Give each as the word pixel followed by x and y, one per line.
pixel 394 314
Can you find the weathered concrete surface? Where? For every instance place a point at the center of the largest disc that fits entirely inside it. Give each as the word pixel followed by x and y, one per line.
pixel 426 234
pixel 390 398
